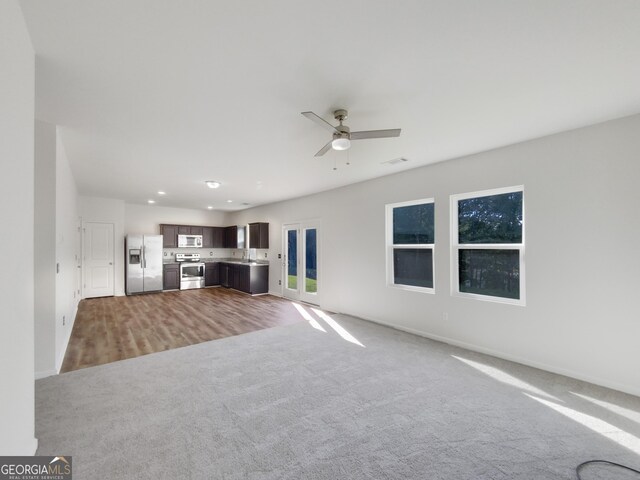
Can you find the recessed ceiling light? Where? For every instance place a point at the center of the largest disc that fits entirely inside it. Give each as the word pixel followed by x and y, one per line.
pixel 210 207
pixel 212 184
pixel 160 192
pixel 151 201
pixel 229 201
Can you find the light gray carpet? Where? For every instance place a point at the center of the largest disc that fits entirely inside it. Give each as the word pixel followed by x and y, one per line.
pixel 297 403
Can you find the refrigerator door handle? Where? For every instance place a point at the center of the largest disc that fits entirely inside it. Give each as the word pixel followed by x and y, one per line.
pixel 144 258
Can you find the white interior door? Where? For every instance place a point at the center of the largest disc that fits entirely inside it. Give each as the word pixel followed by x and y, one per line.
pixel 301 262
pixel 98 262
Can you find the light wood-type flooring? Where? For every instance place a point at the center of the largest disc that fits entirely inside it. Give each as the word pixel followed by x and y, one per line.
pixel 115 328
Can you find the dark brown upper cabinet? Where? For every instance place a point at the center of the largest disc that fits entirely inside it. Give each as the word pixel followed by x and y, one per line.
pixel 259 235
pixel 212 237
pixel 218 237
pixel 207 237
pixel 169 236
pixel 231 237
pixel 189 230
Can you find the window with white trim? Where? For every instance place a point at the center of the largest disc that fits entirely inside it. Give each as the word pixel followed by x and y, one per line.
pixel 487 256
pixel 410 245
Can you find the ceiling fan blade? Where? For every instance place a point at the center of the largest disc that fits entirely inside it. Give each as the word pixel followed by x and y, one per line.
pixel 324 149
pixel 394 132
pixel 320 121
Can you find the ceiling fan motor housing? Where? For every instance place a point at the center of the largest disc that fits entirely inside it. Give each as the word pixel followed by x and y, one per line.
pixel 340 115
pixel 344 131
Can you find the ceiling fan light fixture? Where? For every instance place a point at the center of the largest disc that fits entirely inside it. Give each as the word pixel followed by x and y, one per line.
pixel 212 184
pixel 342 134
pixel 340 143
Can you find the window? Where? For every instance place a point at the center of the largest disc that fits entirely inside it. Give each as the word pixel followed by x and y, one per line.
pixel 488 245
pixel 410 243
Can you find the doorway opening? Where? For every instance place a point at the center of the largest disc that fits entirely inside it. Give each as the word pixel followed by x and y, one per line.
pixel 301 272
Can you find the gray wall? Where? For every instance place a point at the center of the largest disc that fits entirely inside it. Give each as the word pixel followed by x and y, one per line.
pixel 68 251
pixel 16 214
pixel 57 250
pixel 45 249
pixel 581 197
pixel 147 218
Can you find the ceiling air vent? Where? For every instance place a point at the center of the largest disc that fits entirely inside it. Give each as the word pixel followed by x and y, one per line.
pixel 394 161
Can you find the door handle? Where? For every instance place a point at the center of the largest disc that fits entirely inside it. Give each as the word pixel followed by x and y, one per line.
pixel 110 263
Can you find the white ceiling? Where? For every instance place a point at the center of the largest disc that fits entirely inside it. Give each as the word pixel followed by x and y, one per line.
pixel 163 95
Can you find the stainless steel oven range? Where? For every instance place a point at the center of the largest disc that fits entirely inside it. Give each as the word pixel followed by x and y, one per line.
pixel 191 270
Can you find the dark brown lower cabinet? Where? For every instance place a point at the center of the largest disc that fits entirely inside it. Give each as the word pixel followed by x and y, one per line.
pixel 228 274
pixel 171 276
pixel 259 279
pixel 246 278
pixel 211 274
pixel 242 278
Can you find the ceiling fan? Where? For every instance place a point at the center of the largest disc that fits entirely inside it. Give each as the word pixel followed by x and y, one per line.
pixel 342 135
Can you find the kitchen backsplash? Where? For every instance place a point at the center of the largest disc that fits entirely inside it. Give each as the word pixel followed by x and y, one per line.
pixel 261 254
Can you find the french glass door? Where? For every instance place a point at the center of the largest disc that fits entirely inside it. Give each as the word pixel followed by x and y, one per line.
pixel 301 262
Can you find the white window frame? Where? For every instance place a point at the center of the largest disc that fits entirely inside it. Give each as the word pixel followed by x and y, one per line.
pixel 391 247
pixel 456 247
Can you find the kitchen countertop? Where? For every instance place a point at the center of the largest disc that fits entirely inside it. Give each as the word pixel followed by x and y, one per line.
pixel 239 261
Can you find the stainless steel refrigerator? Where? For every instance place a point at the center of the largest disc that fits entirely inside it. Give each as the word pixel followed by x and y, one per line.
pixel 143 263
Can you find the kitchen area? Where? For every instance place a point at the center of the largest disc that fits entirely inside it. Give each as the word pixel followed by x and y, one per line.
pixel 183 257
pixel 206 282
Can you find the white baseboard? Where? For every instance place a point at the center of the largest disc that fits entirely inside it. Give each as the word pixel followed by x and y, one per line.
pixel 630 389
pixel 63 350
pixel 45 374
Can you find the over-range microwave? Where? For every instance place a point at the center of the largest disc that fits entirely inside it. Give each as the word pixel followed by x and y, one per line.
pixel 191 241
